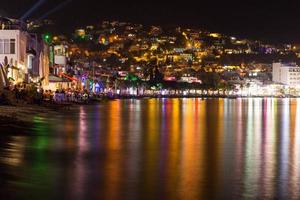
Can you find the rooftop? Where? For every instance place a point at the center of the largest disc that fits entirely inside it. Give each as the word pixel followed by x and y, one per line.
pixel 11 24
pixel 287 64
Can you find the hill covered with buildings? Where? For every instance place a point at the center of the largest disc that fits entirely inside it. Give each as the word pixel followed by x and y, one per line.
pixel 116 56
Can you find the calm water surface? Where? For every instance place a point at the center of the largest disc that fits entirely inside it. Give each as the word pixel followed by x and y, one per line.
pixel 158 149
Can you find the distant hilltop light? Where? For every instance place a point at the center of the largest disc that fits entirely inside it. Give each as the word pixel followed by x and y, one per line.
pixel 215 35
pixel 80 32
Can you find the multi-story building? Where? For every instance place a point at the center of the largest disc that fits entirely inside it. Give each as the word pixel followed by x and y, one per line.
pixel 25 53
pixel 60 58
pixel 13 41
pixel 37 59
pixel 286 73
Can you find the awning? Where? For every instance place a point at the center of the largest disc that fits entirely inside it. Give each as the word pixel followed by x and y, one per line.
pixel 56 79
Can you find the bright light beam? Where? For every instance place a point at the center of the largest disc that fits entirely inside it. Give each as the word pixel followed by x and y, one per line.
pixel 55 9
pixel 32 9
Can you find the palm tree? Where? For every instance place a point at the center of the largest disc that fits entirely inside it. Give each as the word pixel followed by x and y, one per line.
pixel 1 79
pixel 4 80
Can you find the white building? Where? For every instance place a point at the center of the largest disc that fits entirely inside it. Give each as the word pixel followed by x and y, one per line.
pixel 60 54
pixel 60 58
pixel 286 73
pixel 26 54
pixel 13 47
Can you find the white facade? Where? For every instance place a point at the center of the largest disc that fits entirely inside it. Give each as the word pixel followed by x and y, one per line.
pixel 288 74
pixel 60 59
pixel 60 55
pixel 25 53
pixel 13 46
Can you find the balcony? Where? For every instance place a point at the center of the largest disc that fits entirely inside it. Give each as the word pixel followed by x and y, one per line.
pixel 11 24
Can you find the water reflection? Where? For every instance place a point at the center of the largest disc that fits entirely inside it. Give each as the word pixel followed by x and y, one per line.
pixel 295 150
pixel 158 149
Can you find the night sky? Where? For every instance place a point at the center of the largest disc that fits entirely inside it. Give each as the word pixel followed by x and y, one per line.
pixel 275 22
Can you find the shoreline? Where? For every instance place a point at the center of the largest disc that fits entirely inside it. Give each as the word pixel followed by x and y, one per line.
pixel 196 96
pixel 15 120
pixel 18 119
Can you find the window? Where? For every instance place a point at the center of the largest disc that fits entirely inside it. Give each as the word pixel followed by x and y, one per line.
pixel 1 46
pixel 12 46
pixel 7 46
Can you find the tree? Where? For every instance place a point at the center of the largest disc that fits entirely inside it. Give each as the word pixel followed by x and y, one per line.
pixel 180 40
pixel 113 60
pixel 210 79
pixel 4 80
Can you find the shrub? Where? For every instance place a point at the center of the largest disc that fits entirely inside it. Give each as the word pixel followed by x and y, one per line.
pixel 7 97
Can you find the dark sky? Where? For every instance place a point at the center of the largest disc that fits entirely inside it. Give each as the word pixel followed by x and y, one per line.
pixel 277 21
